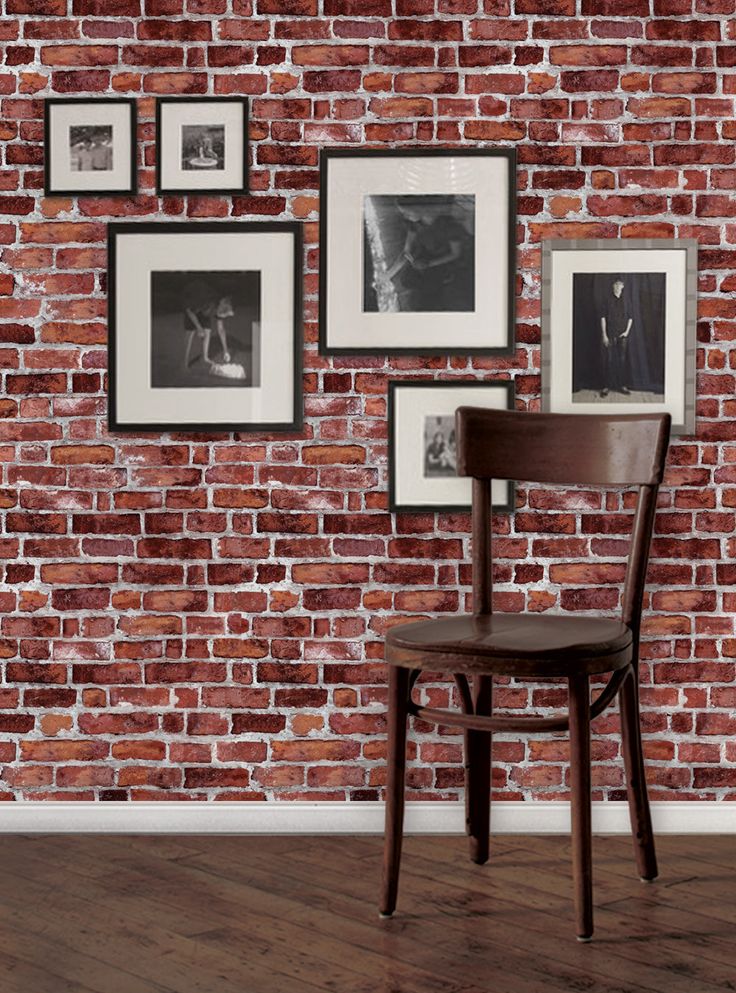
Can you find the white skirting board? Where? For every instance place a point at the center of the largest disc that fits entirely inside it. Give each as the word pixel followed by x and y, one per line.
pixel 422 817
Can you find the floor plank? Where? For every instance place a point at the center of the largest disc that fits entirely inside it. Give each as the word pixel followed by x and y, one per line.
pixel 149 914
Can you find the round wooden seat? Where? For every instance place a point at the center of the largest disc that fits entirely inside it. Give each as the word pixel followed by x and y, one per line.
pixel 512 644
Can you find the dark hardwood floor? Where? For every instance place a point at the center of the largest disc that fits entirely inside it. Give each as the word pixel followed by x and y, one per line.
pixel 93 914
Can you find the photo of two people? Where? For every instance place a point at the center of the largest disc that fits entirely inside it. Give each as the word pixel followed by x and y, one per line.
pixel 90 147
pixel 440 454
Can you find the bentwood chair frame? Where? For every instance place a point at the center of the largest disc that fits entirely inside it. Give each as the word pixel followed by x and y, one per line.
pixel 556 449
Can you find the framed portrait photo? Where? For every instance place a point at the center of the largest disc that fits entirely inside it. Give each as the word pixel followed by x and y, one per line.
pixel 205 326
pixel 90 146
pixel 417 251
pixel 619 327
pixel 422 451
pixel 202 145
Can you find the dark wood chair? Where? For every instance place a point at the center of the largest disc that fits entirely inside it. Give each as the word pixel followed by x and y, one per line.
pixel 626 450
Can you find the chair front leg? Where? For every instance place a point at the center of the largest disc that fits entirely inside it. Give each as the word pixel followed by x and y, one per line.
pixel 478 774
pixel 399 686
pixel 636 784
pixel 581 809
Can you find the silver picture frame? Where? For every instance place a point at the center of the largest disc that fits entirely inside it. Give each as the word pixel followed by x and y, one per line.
pixel 573 270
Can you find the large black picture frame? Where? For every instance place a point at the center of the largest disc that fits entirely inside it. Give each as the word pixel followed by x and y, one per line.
pixel 329 340
pixel 187 101
pixel 503 389
pixel 116 335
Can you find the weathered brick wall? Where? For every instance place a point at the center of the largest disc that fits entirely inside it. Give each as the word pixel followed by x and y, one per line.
pixel 201 616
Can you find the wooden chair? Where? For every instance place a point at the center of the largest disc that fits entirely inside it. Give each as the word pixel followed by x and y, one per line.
pixel 626 450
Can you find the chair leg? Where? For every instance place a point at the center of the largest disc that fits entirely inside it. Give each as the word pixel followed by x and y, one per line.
pixel 581 811
pixel 636 784
pixel 478 774
pixel 398 698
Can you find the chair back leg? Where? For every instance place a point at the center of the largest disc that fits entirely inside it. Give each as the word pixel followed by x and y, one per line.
pixel 580 806
pixel 478 774
pixel 636 784
pixel 398 700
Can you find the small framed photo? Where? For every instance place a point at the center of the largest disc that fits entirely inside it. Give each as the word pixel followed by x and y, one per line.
pixel 90 146
pixel 422 451
pixel 202 145
pixel 417 251
pixel 205 326
pixel 619 327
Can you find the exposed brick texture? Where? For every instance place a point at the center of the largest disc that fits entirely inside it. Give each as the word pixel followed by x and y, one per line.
pixel 201 616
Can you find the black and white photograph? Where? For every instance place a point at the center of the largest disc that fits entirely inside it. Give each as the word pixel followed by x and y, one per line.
pixel 440 457
pixel 205 329
pixel 417 251
pixel 618 337
pixel 619 327
pixel 422 466
pixel 202 145
pixel 205 326
pixel 90 146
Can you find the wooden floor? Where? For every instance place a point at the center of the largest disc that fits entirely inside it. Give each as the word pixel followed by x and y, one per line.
pixel 84 914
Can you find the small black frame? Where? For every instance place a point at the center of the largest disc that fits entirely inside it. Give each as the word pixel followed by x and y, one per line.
pixel 410 151
pixel 161 102
pixel 506 507
pixel 204 227
pixel 49 104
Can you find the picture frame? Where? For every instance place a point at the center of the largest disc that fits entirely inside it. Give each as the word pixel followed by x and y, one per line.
pixel 205 326
pixel 202 145
pixel 90 146
pixel 421 423
pixel 619 327
pixel 410 236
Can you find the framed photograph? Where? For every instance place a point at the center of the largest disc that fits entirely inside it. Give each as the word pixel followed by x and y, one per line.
pixel 618 327
pixel 417 251
pixel 205 326
pixel 422 451
pixel 202 145
pixel 90 146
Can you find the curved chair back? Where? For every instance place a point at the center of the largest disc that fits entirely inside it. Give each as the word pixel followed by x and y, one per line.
pixel 596 449
pixel 602 449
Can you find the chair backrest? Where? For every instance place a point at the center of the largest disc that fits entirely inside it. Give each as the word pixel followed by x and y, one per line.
pixel 596 449
pixel 602 449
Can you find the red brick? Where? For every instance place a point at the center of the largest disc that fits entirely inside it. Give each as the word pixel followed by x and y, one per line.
pixel 38 8
pixel 615 8
pixel 588 55
pixel 79 55
pixel 550 8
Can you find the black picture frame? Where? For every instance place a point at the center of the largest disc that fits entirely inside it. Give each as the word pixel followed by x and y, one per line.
pixel 53 103
pixel 394 385
pixel 328 155
pixel 180 229
pixel 180 101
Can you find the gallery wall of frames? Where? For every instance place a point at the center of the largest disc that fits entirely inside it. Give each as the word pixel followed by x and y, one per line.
pixel 251 259
pixel 417 257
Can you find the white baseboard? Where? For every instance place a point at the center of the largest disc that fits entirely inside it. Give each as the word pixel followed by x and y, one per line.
pixel 422 817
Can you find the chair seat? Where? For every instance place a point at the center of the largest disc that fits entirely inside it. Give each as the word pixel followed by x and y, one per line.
pixel 512 644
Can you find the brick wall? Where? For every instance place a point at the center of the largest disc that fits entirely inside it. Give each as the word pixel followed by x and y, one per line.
pixel 201 616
